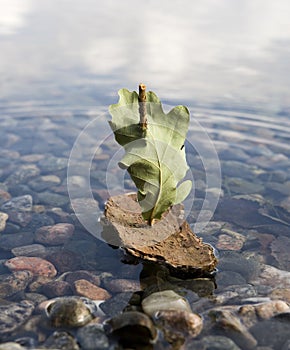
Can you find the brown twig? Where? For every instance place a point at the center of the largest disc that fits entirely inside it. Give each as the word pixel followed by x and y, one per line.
pixel 142 106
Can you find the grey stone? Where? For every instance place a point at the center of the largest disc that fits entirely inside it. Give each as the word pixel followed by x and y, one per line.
pixel 92 337
pixel 29 250
pixel 53 199
pixel 23 174
pixel 52 164
pixel 212 342
pixel 116 304
pixel 61 340
pixel 21 203
pixel 12 240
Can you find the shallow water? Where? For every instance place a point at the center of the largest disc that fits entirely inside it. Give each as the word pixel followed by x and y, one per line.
pixel 61 66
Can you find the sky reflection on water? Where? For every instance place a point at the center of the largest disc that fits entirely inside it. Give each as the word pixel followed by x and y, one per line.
pixel 233 54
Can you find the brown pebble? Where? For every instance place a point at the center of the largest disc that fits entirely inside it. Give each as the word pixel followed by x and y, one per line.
pixel 71 277
pixel 55 234
pixel 38 282
pixel 56 289
pixel 37 266
pixel 89 290
pixel 122 285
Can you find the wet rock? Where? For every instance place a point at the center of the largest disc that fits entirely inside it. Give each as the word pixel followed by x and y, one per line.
pixel 21 203
pixel 133 329
pixel 54 235
pixel 14 283
pixel 37 266
pixel 178 325
pixel 212 342
pixel 271 333
pixel 226 322
pixel 44 182
pixel 269 309
pixel 71 277
pixel 36 250
pixel 228 278
pixel 242 186
pixel 281 293
pixel 12 315
pixel 21 218
pixel 56 289
pixel 38 282
pixel 3 219
pixel 39 220
pixel 52 164
pixel 53 199
pixel 13 240
pixel 4 196
pixel 23 174
pixel 92 337
pixel 89 290
pixel 65 260
pixel 36 298
pixel 119 285
pixel 69 312
pixel 11 346
pixel 116 305
pixel 165 300
pixel 280 251
pixel 61 340
pixel 230 240
pixel 273 277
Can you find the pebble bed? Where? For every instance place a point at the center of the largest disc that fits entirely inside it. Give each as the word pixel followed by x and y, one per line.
pixel 62 288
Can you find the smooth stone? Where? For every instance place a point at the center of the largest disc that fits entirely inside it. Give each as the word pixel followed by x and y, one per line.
pixel 13 240
pixel 228 278
pixel 52 164
pixel 73 276
pixel 38 282
pixel 91 291
pixel 92 337
pixel 21 203
pixel 70 312
pixel 56 289
pixel 269 309
pixel 280 247
pixel 23 174
pixel 36 298
pixel 281 293
pixel 230 240
pixel 119 285
pixel 231 326
pixel 54 235
pixel 15 283
pixel 39 220
pixel 11 346
pixel 44 182
pixel 178 325
pixel 36 250
pixel 65 260
pixel 116 305
pixel 3 219
pixel 165 300
pixel 53 199
pixel 212 342
pixel 21 218
pixel 61 340
pixel 133 329
pixel 273 277
pixel 37 266
pixel 12 315
pixel 4 196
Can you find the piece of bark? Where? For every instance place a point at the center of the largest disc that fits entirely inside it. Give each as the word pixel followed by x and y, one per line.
pixel 169 241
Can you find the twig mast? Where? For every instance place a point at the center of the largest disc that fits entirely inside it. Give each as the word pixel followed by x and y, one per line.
pixel 142 106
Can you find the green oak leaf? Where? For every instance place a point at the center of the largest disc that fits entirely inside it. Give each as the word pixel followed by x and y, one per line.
pixel 155 157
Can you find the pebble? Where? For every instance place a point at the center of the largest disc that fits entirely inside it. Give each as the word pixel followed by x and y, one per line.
pixel 178 325
pixel 92 337
pixel 36 250
pixel 133 329
pixel 52 164
pixel 4 196
pixel 44 182
pixel 212 342
pixel 53 199
pixel 13 240
pixel 70 311
pixel 56 289
pixel 273 277
pixel 119 285
pixel 54 235
pixel 115 305
pixel 11 346
pixel 61 340
pixel 65 260
pixel 89 290
pixel 23 174
pixel 15 283
pixel 37 266
pixel 230 240
pixel 12 315
pixel 3 219
pixel 281 293
pixel 71 277
pixel 165 300
pixel 21 203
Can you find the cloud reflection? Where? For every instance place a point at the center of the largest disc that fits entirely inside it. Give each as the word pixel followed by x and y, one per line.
pixel 208 52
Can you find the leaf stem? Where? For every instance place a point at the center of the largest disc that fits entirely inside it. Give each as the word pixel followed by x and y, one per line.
pixel 142 106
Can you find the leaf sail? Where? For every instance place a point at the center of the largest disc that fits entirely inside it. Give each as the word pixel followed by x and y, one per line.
pixel 155 157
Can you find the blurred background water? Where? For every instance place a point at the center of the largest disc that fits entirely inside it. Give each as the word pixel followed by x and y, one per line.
pixel 224 54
